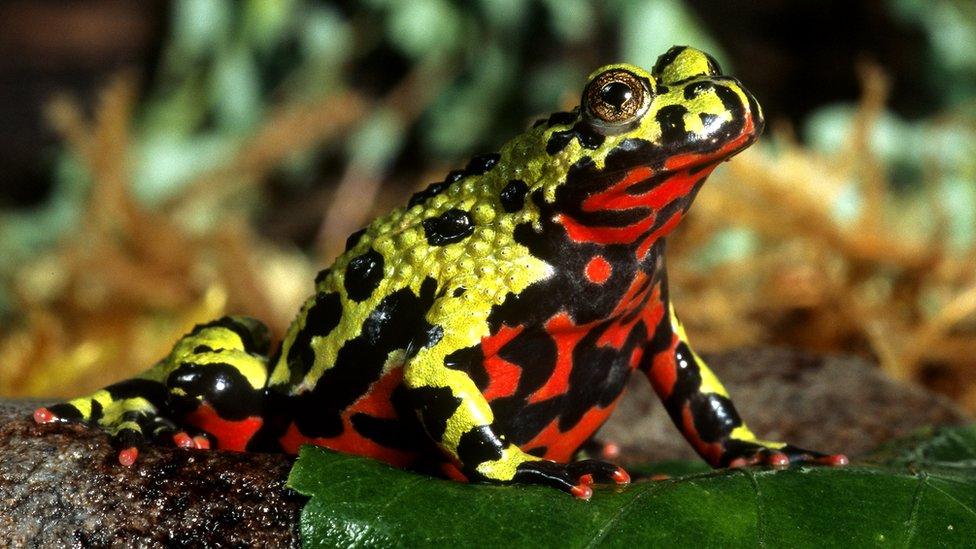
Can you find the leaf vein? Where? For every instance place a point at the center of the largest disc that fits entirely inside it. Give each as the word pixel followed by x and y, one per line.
pixel 760 512
pixel 954 498
pixel 913 513
pixel 605 529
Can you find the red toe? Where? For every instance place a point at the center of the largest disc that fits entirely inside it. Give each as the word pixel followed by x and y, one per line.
pixel 43 415
pixel 128 456
pixel 586 480
pixel 620 476
pixel 836 460
pixel 778 459
pixel 582 491
pixel 201 442
pixel 183 440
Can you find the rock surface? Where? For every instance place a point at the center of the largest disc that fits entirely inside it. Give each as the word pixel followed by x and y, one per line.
pixel 61 485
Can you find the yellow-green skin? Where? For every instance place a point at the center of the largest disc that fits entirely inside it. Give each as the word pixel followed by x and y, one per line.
pixel 485 282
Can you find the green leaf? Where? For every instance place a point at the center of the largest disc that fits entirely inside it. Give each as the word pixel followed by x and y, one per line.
pixel 920 493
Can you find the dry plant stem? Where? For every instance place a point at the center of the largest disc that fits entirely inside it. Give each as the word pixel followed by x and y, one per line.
pixel 874 86
pixel 285 132
pixel 931 334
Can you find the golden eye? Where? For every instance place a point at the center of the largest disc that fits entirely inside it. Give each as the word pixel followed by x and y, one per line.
pixel 616 96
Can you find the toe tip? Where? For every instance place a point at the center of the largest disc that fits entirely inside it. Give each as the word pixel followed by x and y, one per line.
pixel 836 460
pixel 128 456
pixel 43 415
pixel 778 459
pixel 620 476
pixel 582 491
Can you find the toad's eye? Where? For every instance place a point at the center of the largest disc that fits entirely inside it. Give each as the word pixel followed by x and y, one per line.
pixel 617 96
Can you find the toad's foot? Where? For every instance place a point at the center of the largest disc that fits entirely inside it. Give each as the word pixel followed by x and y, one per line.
pixel 744 454
pixel 575 478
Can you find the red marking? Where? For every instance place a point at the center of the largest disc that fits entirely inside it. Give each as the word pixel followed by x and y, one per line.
pixel 582 491
pixel 503 376
pixel 201 443
pixel 183 440
pixel 648 308
pixel 686 160
pixel 586 479
pixel 650 239
pixel 377 403
pixel 664 372
pixel 710 451
pixel 230 435
pixel 620 476
pixel 560 446
pixel 128 456
pixel 566 335
pixel 578 232
pixel 616 197
pixel 598 270
pixel 43 415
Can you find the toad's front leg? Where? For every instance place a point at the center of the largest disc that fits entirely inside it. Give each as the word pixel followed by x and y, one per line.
pixel 459 419
pixel 701 408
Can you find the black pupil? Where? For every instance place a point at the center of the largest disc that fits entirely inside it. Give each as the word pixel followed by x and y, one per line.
pixel 616 94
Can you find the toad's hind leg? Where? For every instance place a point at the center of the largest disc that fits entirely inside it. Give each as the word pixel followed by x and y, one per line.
pixel 209 388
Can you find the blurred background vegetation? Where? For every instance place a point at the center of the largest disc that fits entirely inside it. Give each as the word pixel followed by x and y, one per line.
pixel 165 162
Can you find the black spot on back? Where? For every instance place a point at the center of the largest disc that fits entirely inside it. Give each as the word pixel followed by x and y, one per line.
pixel 363 275
pixel 435 189
pixel 354 238
pixel 513 195
pixel 481 164
pixel 322 317
pixel 451 226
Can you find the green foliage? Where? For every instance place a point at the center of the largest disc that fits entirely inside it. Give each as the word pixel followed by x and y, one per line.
pixel 919 493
